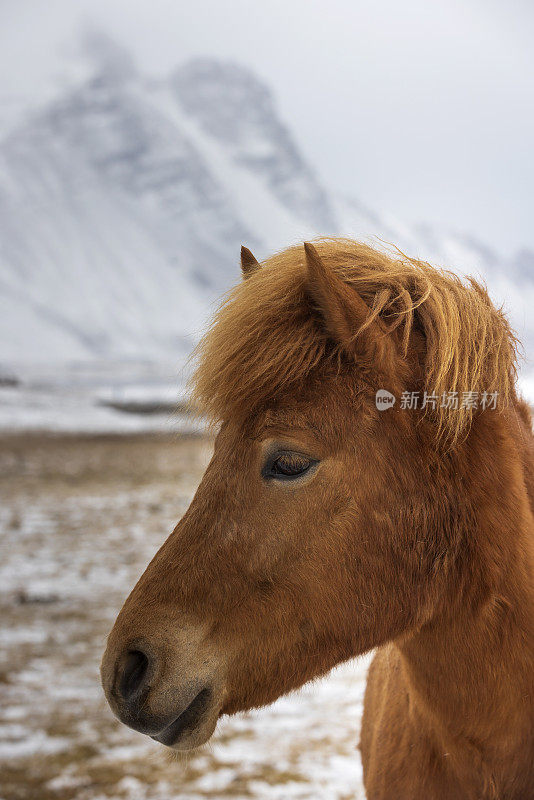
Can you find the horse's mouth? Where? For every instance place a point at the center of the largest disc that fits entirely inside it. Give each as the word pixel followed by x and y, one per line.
pixel 187 721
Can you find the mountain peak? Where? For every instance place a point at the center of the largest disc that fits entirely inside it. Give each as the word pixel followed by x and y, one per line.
pixel 106 57
pixel 124 204
pixel 233 106
pixel 224 93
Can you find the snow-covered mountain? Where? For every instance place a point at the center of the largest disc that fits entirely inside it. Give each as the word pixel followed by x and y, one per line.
pixel 124 202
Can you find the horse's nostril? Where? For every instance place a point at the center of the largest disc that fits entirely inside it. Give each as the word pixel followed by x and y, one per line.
pixel 133 674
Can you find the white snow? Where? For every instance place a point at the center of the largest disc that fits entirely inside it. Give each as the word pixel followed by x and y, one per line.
pixel 97 397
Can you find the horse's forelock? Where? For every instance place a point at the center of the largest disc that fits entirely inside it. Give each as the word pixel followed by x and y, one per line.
pixel 267 338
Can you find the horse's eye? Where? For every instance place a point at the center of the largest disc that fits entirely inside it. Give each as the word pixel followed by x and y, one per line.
pixel 286 466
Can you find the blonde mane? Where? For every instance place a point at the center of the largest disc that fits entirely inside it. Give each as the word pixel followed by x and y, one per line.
pixel 266 339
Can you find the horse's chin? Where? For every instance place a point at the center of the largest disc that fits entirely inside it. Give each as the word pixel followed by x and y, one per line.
pixel 193 739
pixel 193 727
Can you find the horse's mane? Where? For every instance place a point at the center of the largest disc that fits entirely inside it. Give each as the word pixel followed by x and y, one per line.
pixel 266 338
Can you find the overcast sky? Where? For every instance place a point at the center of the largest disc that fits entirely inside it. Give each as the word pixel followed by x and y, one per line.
pixel 422 108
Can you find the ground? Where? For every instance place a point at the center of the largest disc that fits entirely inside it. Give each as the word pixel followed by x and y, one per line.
pixel 80 517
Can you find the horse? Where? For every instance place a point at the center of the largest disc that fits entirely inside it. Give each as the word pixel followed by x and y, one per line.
pixel 330 523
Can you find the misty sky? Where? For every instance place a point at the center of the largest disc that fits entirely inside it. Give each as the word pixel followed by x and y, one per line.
pixel 423 109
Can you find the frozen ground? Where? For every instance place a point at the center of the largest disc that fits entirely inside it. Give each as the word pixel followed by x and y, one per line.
pixel 95 397
pixel 79 519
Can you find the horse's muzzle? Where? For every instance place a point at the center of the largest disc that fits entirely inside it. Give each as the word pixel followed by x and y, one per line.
pixel 156 692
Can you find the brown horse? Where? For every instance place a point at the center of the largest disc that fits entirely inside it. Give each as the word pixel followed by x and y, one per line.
pixel 328 524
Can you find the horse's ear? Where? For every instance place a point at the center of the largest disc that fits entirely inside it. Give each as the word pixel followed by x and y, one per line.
pixel 248 263
pixel 345 313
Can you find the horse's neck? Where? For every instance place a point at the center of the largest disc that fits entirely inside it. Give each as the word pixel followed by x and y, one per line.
pixel 474 674
pixel 471 669
pixel 526 449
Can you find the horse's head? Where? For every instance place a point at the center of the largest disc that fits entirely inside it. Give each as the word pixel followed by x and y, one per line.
pixel 324 525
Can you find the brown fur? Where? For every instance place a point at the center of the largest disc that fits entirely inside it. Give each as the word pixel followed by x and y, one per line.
pixel 414 534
